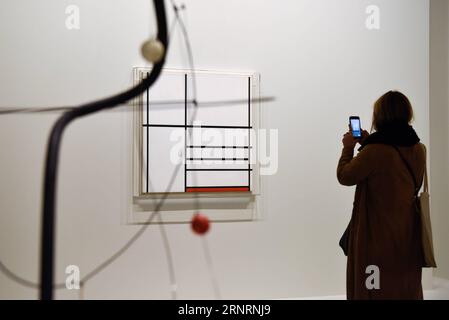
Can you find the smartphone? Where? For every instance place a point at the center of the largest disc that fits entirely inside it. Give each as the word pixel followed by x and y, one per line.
pixel 356 127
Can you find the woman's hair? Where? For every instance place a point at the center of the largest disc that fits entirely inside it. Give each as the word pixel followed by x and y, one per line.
pixel 392 108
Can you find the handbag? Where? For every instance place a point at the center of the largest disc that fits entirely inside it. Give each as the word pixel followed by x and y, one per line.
pixel 422 207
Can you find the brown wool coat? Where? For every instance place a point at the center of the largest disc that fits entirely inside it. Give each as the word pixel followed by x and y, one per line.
pixel 384 230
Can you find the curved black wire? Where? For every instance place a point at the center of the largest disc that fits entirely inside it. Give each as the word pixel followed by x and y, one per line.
pixel 53 147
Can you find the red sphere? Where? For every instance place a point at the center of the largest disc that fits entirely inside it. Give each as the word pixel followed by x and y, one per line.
pixel 200 224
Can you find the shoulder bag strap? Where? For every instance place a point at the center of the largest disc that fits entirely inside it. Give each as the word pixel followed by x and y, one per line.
pixel 411 171
pixel 426 183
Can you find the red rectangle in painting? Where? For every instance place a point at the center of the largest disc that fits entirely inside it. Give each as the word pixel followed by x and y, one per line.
pixel 217 189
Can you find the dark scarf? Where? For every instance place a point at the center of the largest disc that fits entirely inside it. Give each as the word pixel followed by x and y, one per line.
pixel 397 134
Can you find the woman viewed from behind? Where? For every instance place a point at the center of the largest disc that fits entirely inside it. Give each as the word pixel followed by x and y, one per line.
pixel 384 231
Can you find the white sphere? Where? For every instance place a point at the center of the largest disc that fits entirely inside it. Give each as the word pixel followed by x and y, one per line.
pixel 153 50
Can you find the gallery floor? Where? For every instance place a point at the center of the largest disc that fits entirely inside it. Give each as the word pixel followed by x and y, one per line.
pixel 440 291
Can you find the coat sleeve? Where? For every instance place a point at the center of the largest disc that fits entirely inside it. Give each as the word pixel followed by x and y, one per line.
pixel 351 170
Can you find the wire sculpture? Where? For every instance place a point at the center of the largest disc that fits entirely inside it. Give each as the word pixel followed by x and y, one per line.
pixel 47 285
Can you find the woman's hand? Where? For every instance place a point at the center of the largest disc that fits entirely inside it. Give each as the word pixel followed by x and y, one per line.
pixel 365 135
pixel 349 141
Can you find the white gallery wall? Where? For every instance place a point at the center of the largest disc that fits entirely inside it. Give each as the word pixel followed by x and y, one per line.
pixel 439 133
pixel 316 56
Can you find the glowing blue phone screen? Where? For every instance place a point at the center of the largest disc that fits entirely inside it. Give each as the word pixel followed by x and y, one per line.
pixel 356 130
